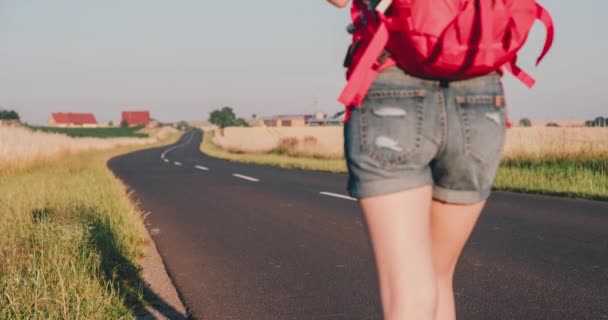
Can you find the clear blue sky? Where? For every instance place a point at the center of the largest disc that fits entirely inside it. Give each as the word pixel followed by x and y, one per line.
pixel 182 59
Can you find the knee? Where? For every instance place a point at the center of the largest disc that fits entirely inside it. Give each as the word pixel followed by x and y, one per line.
pixel 417 304
pixel 444 274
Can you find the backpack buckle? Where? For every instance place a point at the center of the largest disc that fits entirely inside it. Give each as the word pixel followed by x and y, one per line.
pixel 383 5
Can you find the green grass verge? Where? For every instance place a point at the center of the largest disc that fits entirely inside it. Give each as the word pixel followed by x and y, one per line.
pixel 69 240
pixel 96 132
pixel 272 159
pixel 573 176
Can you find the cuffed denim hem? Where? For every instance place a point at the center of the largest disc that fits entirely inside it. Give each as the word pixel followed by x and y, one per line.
pixel 460 196
pixel 367 189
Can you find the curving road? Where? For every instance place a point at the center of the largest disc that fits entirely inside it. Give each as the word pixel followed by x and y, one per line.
pixel 250 242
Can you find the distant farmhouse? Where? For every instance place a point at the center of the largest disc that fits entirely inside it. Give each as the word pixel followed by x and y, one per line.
pixel 293 120
pixel 297 120
pixel 72 120
pixel 136 118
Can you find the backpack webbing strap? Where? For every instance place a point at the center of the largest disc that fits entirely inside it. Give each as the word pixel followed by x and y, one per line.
pixel 520 74
pixel 543 16
pixel 367 68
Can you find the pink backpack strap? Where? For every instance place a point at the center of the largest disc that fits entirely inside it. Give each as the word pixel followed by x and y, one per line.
pixel 367 68
pixel 543 16
pixel 520 74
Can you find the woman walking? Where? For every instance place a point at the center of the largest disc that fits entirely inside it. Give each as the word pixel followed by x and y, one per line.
pixel 422 149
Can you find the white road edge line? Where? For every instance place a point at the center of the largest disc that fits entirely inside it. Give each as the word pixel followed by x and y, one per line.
pixel 164 154
pixel 177 163
pixel 202 168
pixel 245 177
pixel 339 196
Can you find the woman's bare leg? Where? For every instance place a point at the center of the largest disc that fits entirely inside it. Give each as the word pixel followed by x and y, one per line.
pixel 399 227
pixel 451 226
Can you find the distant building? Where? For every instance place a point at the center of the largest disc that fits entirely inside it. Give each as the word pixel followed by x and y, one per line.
pixel 288 120
pixel 136 118
pixel 280 121
pixel 323 120
pixel 69 120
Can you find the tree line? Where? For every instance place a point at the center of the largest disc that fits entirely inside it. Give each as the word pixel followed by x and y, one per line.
pixel 9 115
pixel 597 122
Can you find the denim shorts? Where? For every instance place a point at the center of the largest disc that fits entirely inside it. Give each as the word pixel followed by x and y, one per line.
pixel 410 132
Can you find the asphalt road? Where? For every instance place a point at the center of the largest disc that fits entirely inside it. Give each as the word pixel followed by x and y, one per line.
pixel 250 242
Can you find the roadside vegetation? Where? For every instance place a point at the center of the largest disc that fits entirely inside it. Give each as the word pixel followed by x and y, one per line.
pixel 283 156
pixel 69 234
pixel 109 132
pixel 569 162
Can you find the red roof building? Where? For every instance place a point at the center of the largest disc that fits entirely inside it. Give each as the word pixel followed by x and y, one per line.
pixel 136 118
pixel 60 119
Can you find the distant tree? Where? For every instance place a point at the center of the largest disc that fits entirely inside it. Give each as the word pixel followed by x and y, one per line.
pixel 589 123
pixel 525 122
pixel 225 117
pixel 552 124
pixel 9 115
pixel 182 125
pixel 240 122
pixel 599 122
pixel 124 124
pixel 110 123
pixel 254 116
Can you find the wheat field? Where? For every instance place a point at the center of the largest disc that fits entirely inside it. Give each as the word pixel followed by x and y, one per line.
pixel 20 146
pixel 560 161
pixel 556 142
pixel 328 141
pixel 323 142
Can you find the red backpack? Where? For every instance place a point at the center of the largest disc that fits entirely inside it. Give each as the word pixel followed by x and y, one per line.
pixel 439 39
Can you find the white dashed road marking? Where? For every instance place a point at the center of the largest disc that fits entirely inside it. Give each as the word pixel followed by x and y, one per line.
pixel 202 168
pixel 340 196
pixel 166 160
pixel 246 177
pixel 177 163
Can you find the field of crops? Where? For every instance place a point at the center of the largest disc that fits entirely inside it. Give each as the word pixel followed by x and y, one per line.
pixel 327 142
pixel 20 146
pixel 113 132
pixel 550 160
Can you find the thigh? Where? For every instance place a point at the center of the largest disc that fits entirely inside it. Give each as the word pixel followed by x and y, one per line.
pixel 399 228
pixel 451 226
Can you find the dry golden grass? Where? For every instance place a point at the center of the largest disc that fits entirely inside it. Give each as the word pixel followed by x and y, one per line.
pixel 569 162
pixel 320 142
pixel 327 142
pixel 20 146
pixel 539 142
